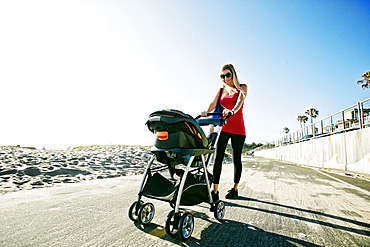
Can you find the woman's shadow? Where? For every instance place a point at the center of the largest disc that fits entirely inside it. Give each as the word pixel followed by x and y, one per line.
pixel 234 233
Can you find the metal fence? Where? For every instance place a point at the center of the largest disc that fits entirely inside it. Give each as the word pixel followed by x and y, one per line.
pixel 352 118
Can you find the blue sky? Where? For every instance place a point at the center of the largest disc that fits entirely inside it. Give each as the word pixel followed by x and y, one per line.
pixel 90 72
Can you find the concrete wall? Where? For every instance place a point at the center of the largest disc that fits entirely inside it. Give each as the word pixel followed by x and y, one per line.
pixel 348 151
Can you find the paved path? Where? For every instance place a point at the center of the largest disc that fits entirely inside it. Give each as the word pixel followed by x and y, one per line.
pixel 279 205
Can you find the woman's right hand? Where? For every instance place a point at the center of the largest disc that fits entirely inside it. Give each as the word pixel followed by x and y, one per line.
pixel 204 113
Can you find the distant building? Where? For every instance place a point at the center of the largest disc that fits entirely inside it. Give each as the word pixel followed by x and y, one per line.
pixel 351 119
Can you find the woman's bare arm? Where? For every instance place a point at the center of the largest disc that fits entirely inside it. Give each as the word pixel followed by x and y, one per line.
pixel 241 98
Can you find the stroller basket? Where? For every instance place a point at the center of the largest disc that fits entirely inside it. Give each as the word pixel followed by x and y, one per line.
pixel 159 187
pixel 195 188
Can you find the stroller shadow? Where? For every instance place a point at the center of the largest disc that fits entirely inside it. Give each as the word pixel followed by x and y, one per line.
pixel 301 218
pixel 225 233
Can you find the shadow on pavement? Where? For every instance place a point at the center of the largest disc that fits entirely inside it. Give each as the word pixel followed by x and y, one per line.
pixel 297 217
pixel 225 233
pixel 233 233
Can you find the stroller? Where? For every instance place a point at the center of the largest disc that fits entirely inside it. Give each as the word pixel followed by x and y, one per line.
pixel 186 152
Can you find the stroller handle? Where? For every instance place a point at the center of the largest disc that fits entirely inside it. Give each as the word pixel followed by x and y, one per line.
pixel 214 121
pixel 215 114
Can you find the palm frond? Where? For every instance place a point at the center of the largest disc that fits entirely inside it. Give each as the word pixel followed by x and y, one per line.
pixel 365 81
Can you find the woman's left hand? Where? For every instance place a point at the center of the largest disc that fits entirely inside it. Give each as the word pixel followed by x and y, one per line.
pixel 225 112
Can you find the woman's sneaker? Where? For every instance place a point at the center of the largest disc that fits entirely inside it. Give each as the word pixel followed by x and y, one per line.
pixel 215 197
pixel 232 194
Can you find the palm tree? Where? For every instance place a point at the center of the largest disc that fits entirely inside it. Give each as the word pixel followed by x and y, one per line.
pixel 365 81
pixel 313 113
pixel 286 138
pixel 302 119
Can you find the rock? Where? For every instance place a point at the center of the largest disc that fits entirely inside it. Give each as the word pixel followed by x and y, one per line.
pixel 32 171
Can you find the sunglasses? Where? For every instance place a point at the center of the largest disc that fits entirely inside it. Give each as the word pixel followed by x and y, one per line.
pixel 228 74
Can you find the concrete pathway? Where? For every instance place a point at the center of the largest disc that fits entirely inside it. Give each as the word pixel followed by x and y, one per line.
pixel 279 205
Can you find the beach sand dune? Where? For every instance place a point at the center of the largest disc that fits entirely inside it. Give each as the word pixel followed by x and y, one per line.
pixel 25 168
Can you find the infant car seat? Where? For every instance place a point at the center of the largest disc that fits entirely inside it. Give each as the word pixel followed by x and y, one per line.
pixel 175 129
pixel 178 137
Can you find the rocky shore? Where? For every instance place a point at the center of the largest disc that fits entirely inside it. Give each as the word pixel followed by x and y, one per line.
pixel 26 168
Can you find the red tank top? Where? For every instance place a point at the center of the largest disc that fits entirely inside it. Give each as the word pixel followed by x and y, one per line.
pixel 235 124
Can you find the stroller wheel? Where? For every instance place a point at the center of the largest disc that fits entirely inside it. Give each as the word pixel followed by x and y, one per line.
pixel 133 211
pixel 219 210
pixel 146 213
pixel 171 226
pixel 186 226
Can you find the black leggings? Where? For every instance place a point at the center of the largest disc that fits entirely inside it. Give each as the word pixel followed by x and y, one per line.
pixel 237 142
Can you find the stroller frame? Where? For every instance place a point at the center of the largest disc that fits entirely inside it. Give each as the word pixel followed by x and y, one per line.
pixel 177 224
pixel 182 180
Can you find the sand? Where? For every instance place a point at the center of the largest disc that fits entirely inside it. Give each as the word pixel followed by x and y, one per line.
pixel 25 168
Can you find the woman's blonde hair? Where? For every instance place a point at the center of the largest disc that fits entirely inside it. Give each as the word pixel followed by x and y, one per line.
pixel 235 79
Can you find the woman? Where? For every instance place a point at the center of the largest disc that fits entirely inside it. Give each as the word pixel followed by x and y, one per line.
pixel 232 101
